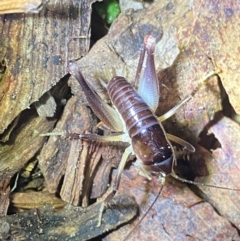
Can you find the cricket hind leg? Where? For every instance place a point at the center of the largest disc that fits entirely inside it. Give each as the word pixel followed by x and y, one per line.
pixel 187 98
pixel 187 147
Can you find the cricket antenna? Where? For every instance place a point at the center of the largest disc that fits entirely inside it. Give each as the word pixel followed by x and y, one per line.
pixel 174 175
pixel 145 214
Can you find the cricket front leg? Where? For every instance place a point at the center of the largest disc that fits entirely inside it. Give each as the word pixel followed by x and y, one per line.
pixel 189 97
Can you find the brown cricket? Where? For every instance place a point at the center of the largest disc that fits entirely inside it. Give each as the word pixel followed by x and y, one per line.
pixel 133 115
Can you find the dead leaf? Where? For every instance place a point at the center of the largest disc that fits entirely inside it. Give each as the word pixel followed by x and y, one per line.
pixel 224 171
pixel 178 213
pixel 215 27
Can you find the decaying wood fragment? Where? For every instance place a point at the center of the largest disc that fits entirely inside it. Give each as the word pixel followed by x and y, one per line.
pixel 31 200
pixel 4 196
pixel 26 143
pixel 75 159
pixel 4 230
pixel 78 181
pixel 46 106
pixel 35 50
pixel 71 223
pixel 111 156
pixel 20 6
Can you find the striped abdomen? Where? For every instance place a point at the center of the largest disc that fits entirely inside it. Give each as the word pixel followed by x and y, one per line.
pixel 148 137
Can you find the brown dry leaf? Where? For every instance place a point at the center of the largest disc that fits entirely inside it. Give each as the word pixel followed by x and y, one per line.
pixel 215 27
pixel 178 213
pixel 224 171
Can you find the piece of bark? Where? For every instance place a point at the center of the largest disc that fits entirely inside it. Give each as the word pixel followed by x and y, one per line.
pixel 26 143
pixel 31 200
pixel 72 223
pixel 78 179
pixel 101 180
pixel 46 106
pixel 20 6
pixel 72 158
pixel 4 196
pixel 6 135
pixel 111 156
pixel 35 50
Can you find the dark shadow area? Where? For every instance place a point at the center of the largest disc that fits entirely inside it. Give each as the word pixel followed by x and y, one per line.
pixel 98 27
pixel 60 92
pixel 209 141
